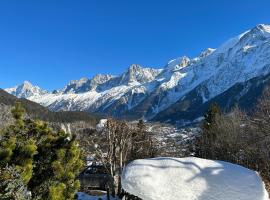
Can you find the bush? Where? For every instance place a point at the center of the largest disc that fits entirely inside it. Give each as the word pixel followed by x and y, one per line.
pixel 47 161
pixel 12 186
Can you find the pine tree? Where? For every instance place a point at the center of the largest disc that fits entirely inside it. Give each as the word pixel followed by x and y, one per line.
pixel 56 165
pixel 46 160
pixel 12 186
pixel 18 113
pixel 16 147
pixel 211 115
pixel 205 142
pixel 142 143
pixel 65 168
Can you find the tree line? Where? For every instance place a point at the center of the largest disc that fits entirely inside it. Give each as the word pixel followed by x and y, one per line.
pixel 37 162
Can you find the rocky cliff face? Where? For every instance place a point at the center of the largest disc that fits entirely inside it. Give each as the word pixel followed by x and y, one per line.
pixel 151 93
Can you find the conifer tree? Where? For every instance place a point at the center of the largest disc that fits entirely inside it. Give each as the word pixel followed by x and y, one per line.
pixel 65 168
pixel 208 137
pixel 46 160
pixel 16 147
pixel 18 113
pixel 142 144
pixel 12 186
pixel 211 115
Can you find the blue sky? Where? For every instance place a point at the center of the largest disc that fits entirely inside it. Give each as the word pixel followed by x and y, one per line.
pixel 50 42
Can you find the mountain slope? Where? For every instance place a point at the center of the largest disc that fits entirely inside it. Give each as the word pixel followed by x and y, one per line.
pixel 192 106
pixel 37 111
pixel 153 93
pixel 26 90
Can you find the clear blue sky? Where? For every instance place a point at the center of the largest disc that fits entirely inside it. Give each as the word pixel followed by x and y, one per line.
pixel 50 42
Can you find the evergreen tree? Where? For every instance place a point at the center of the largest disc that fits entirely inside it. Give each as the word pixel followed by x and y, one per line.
pixel 211 115
pixel 12 186
pixel 205 143
pixel 47 161
pixel 65 168
pixel 18 113
pixel 16 147
pixel 142 143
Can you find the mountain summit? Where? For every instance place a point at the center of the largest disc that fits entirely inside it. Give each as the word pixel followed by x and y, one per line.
pixel 181 90
pixel 26 90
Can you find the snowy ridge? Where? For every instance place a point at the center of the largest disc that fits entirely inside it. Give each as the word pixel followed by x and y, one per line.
pixel 26 90
pixel 191 179
pixel 153 90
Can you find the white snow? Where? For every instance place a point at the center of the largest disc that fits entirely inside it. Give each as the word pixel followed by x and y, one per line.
pixel 247 47
pixel 102 123
pixel 207 52
pixel 191 179
pixel 237 60
pixel 26 90
pixel 66 128
pixel 178 63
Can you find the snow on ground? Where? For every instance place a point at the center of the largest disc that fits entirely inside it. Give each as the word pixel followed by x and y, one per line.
pixel 102 123
pixel 191 179
pixel 173 141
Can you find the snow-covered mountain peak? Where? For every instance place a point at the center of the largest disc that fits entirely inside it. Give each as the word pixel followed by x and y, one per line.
pixel 178 63
pixel 85 84
pixel 137 74
pixel 27 84
pixel 206 52
pixel 25 90
pixel 257 36
pixel 75 86
pixel 260 31
pixel 146 92
pixel 134 67
pixel 102 78
pixel 263 27
pixel 79 82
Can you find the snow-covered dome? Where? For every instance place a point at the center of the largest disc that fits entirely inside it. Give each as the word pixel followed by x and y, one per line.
pixel 191 179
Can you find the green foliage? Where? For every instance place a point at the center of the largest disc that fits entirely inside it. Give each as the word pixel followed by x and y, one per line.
pixel 57 192
pixel 65 168
pixel 12 186
pixel 16 148
pixel 6 149
pixel 47 161
pixel 18 113
pixel 56 165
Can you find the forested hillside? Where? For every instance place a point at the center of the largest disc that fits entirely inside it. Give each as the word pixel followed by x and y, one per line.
pixel 36 111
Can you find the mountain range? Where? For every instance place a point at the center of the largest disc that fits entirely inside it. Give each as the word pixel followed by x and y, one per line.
pixel 70 121
pixel 234 73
